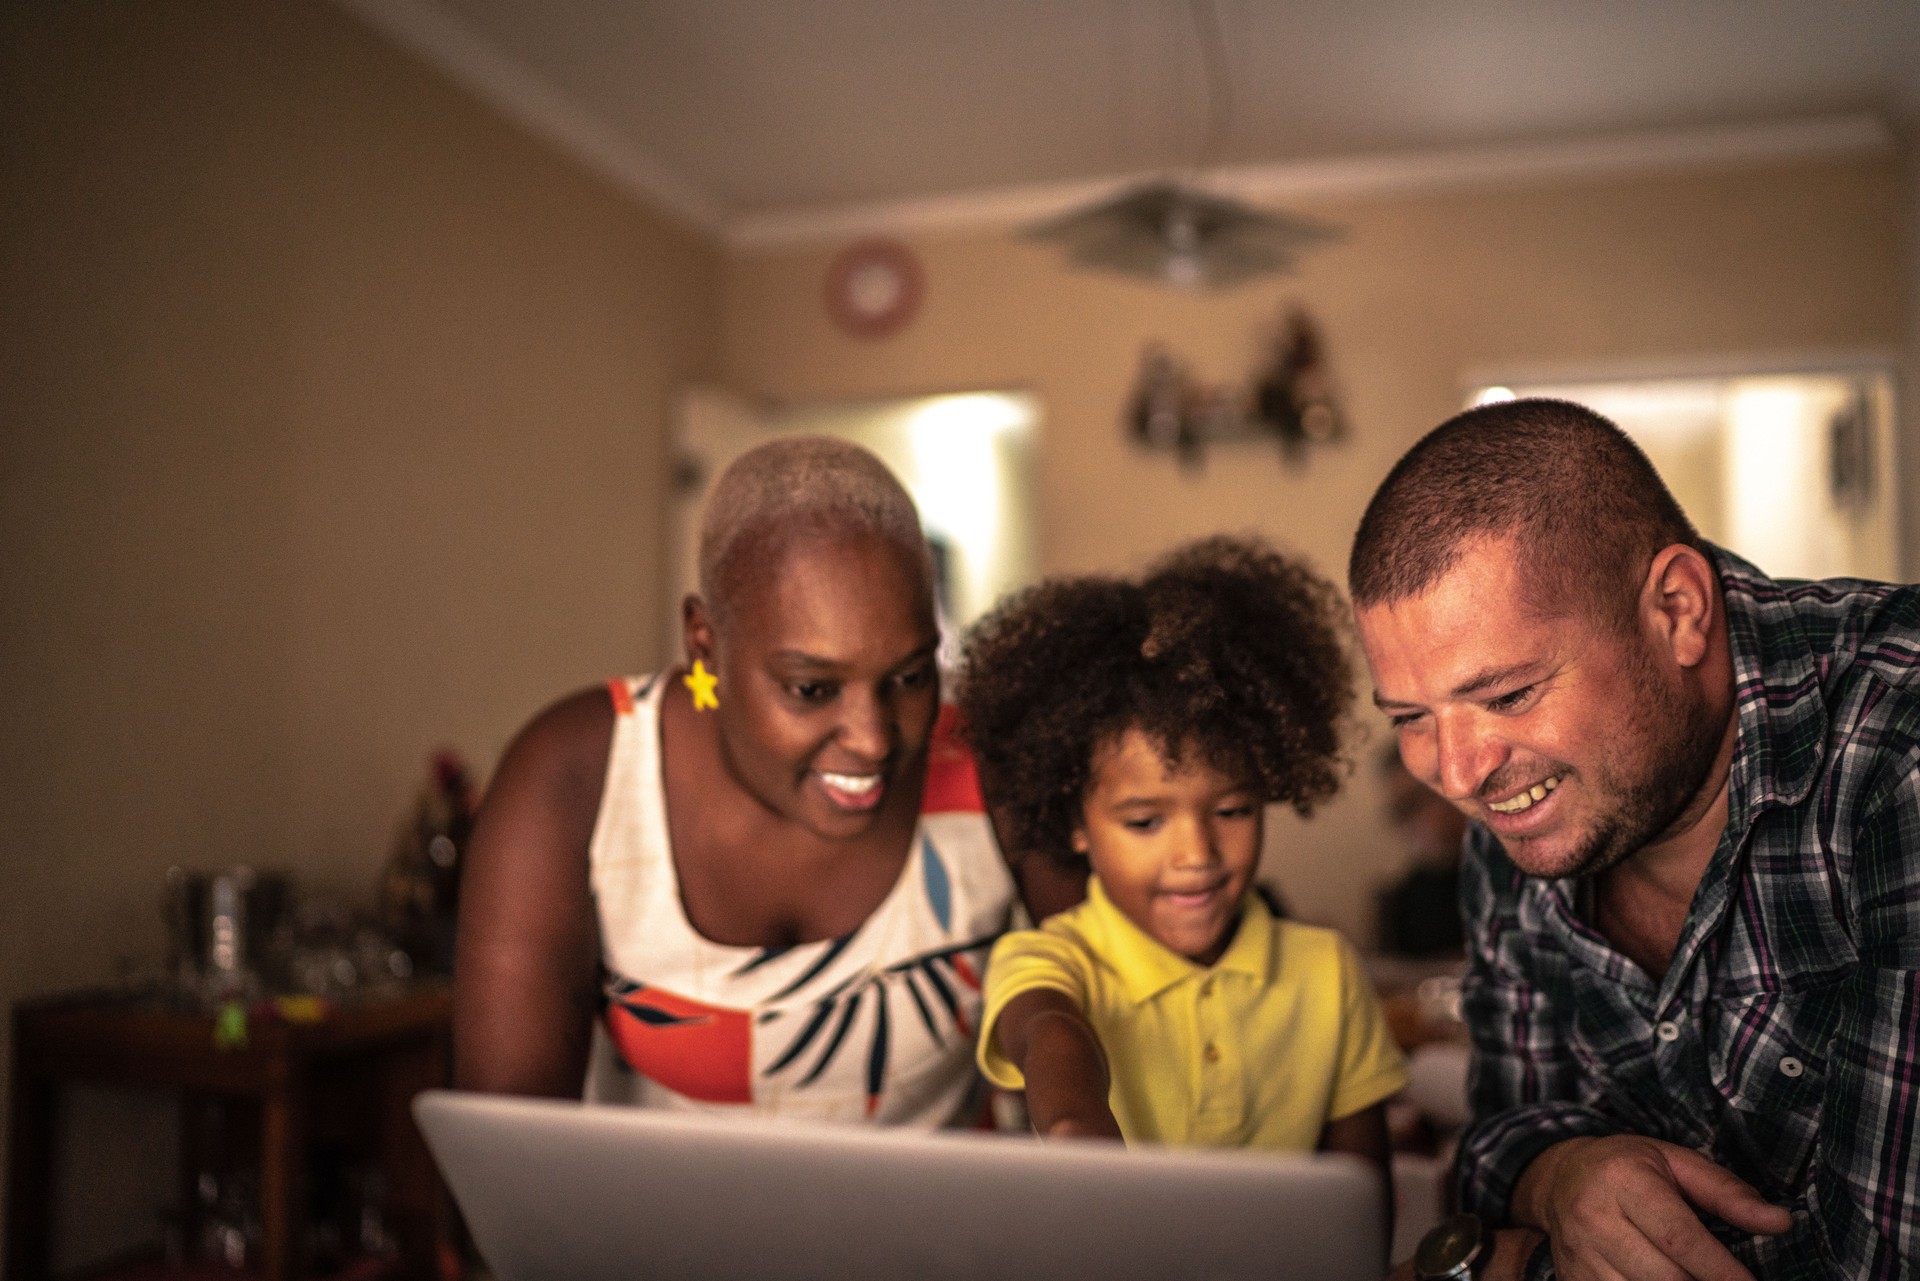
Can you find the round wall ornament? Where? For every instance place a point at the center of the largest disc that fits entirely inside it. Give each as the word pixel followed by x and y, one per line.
pixel 874 287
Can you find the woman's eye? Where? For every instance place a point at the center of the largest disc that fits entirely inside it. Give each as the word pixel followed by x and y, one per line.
pixel 813 691
pixel 917 678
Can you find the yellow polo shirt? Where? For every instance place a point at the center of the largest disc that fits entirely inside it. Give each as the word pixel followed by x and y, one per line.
pixel 1279 1036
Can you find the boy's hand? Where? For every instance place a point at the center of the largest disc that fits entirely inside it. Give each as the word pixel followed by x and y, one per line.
pixel 1073 1127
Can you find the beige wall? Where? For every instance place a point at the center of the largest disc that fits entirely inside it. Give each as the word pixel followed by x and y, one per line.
pixel 334 422
pixel 1708 265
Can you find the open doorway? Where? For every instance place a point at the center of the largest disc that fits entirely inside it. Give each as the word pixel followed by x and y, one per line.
pixel 966 458
pixel 1795 472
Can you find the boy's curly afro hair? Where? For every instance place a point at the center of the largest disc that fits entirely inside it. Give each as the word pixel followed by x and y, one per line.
pixel 1226 648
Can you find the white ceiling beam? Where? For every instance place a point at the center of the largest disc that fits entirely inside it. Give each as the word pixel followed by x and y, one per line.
pixel 1393 173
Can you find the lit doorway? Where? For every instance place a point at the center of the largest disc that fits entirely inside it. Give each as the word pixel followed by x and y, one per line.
pixel 1795 472
pixel 967 459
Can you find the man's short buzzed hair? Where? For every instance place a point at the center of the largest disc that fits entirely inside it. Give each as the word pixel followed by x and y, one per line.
pixel 1586 507
pixel 795 485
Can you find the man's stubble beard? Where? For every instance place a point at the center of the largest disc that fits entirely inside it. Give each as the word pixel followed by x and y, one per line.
pixel 1682 743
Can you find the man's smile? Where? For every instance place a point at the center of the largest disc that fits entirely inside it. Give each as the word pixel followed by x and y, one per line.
pixel 1527 797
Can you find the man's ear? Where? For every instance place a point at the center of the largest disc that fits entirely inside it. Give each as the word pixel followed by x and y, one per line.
pixel 696 630
pixel 1681 602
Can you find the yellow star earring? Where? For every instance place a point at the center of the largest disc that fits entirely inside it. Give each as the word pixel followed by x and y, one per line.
pixel 702 682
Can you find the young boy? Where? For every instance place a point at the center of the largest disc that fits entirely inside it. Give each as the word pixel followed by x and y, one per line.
pixel 1145 725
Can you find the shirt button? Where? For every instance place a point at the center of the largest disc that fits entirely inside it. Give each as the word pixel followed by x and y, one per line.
pixel 1790 1066
pixel 1668 1031
pixel 1206 989
pixel 1212 1053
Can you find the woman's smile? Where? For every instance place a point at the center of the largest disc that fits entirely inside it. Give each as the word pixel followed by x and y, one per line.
pixel 856 792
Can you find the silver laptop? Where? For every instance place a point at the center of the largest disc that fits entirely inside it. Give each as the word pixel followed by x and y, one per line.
pixel 569 1192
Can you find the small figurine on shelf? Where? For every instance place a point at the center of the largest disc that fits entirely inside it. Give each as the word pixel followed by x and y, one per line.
pixel 1161 410
pixel 1295 398
pixel 1159 399
pixel 420 886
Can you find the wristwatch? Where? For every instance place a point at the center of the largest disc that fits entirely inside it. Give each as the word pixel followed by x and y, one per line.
pixel 1452 1250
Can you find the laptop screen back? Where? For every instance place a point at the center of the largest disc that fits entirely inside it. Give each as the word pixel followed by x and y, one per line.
pixel 562 1190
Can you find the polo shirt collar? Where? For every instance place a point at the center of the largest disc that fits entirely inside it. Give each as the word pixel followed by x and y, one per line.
pixel 1146 967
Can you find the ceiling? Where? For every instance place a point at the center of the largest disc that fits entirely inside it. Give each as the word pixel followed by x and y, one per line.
pixel 732 110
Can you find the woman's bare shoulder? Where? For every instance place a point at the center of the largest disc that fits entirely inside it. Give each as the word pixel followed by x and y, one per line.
pixel 566 744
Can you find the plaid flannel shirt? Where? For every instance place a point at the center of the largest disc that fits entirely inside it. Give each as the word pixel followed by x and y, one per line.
pixel 1784 1040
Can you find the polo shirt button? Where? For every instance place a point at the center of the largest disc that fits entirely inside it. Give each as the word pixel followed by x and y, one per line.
pixel 1206 989
pixel 1212 1053
pixel 1668 1031
pixel 1790 1066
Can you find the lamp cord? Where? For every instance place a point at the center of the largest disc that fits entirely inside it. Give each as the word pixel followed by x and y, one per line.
pixel 1213 63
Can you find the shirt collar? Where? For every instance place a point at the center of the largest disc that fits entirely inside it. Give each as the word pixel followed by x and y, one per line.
pixel 1147 967
pixel 1778 704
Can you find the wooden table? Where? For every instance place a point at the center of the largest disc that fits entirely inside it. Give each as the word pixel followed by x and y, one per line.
pixel 383 1049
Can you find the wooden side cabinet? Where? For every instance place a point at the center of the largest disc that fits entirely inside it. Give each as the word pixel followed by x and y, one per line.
pixel 358 1065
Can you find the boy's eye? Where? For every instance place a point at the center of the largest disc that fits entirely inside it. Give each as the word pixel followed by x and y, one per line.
pixel 1141 825
pixel 1235 811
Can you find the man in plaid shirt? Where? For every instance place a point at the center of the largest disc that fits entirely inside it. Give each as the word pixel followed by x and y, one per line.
pixel 1692 893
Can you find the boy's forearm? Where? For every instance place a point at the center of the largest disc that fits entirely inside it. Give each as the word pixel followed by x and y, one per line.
pixel 1050 1041
pixel 1067 1078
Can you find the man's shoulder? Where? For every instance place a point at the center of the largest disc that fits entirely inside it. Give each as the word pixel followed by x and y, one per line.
pixel 1885 665
pixel 1866 639
pixel 1835 695
pixel 1852 628
pixel 1832 665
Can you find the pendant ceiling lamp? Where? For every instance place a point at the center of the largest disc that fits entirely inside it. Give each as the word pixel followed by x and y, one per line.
pixel 1179 235
pixel 1176 233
